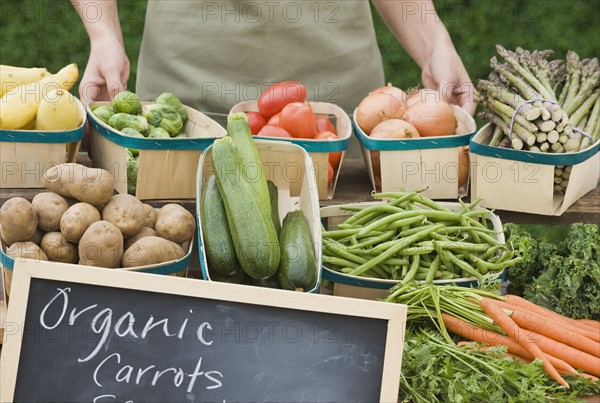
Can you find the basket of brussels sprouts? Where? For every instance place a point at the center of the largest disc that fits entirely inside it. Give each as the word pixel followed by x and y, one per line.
pixel 151 148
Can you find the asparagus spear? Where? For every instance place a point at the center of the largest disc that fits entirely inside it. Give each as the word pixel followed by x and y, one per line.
pixel 574 69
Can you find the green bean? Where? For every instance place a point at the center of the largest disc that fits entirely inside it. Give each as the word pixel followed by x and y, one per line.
pixel 340 233
pixel 401 244
pixel 396 261
pixel 472 234
pixel 414 267
pixel 374 240
pixel 486 267
pixel 413 231
pixel 405 222
pixel 341 251
pixel 446 275
pixel 376 208
pixel 433 269
pixel 491 252
pixel 383 222
pixel 425 263
pixel 423 248
pixel 464 266
pixel 404 271
pixel 337 261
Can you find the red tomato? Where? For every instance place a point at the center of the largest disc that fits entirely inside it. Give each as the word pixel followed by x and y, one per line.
pixel 256 122
pixel 334 158
pixel 324 124
pixel 277 96
pixel 274 120
pixel 274 131
pixel 299 120
pixel 330 172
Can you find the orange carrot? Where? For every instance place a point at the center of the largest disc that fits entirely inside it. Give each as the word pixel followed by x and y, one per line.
pixel 556 321
pixel 555 331
pixel 522 336
pixel 483 336
pixel 576 358
pixel 518 357
pixel 594 325
pixel 530 306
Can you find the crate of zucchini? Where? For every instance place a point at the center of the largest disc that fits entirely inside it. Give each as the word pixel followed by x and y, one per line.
pixel 151 148
pixel 41 123
pixel 258 211
pixel 370 247
pixel 539 153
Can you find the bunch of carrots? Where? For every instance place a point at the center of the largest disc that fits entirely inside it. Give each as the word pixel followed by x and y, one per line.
pixel 529 331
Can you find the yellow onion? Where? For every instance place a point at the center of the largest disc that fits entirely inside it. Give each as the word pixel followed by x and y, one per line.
pixel 463 166
pixel 389 130
pixel 420 94
pixel 376 108
pixel 431 117
pixel 391 90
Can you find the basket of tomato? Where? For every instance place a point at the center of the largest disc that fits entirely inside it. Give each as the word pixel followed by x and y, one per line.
pixel 322 129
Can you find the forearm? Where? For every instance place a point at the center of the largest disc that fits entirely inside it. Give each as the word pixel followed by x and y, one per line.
pixel 100 18
pixel 416 25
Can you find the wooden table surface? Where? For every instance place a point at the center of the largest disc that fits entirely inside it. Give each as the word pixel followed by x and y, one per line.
pixel 354 186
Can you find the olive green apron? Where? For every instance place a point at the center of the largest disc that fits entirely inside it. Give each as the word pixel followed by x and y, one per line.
pixel 214 54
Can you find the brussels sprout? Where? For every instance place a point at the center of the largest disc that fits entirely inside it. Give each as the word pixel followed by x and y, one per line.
pixel 172 123
pixel 103 113
pixel 169 98
pixel 127 102
pixel 155 112
pixel 158 133
pixel 132 173
pixel 122 120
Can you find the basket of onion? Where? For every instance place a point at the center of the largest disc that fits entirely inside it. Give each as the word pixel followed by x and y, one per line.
pixel 322 129
pixel 414 141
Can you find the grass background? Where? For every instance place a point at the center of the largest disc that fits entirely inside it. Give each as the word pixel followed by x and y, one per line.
pixel 49 33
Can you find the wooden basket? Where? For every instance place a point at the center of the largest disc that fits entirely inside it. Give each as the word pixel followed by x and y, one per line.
pixel 346 285
pixel 523 181
pixel 317 149
pixel 167 167
pixel 429 163
pixel 25 155
pixel 290 168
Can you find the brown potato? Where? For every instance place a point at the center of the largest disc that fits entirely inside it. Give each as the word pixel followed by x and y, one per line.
pixel 26 250
pixel 152 250
pixel 77 219
pixel 175 223
pixel 126 213
pixel 101 245
pixel 90 185
pixel 49 208
pixel 18 221
pixel 144 232
pixel 151 216
pixel 58 249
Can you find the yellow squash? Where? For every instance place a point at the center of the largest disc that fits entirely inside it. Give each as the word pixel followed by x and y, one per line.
pixel 19 106
pixel 58 111
pixel 12 77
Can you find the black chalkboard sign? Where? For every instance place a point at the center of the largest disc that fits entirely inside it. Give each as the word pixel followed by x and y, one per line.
pixel 96 335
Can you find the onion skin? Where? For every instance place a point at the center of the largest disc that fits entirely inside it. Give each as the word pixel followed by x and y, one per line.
pixel 431 117
pixel 415 96
pixel 376 108
pixel 392 129
pixel 393 91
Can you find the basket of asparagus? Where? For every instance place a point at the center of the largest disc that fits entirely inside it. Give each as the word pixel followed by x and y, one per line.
pixel 543 115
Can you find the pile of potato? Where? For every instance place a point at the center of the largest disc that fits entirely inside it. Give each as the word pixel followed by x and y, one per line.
pixel 80 221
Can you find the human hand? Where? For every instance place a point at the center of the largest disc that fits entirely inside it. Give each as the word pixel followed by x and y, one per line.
pixel 107 71
pixel 444 71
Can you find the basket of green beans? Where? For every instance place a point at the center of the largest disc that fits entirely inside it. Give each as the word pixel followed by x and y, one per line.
pixel 408 237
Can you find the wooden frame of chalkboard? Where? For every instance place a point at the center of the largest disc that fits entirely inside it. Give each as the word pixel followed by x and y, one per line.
pixel 37 286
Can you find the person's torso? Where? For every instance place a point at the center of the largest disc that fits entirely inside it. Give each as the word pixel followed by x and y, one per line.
pixel 214 54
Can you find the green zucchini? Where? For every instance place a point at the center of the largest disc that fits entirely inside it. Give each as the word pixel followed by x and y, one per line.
pixel 297 269
pixel 238 277
pixel 218 244
pixel 251 163
pixel 270 282
pixel 249 222
pixel 274 196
